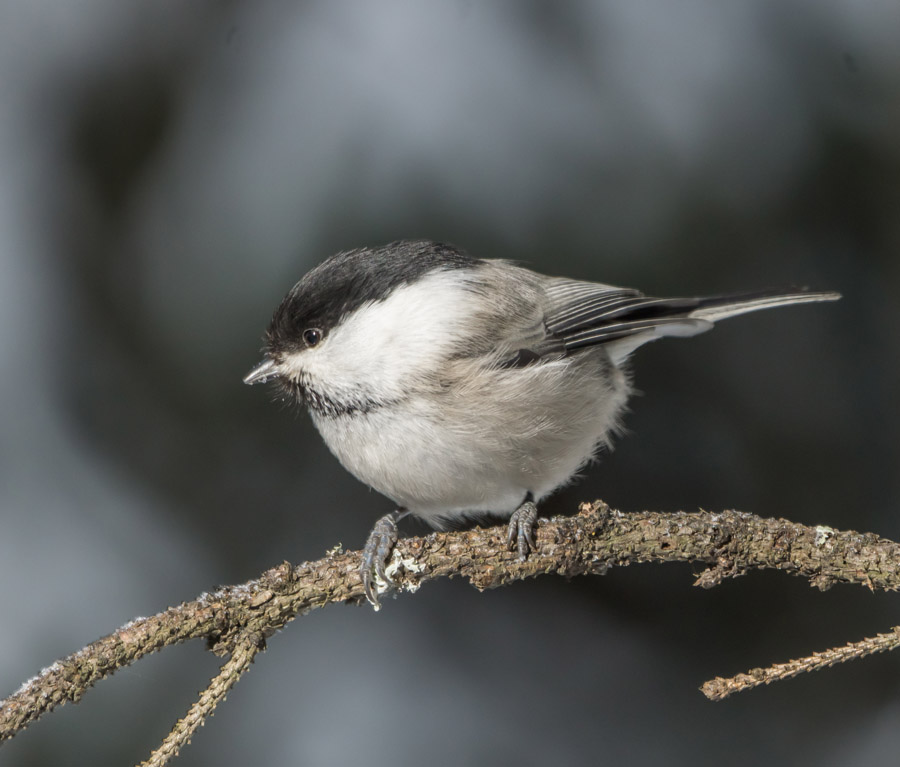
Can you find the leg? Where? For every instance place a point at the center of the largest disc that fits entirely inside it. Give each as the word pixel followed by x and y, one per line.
pixel 377 551
pixel 521 527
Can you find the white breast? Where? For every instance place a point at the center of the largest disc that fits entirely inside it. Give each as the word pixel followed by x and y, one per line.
pixel 442 456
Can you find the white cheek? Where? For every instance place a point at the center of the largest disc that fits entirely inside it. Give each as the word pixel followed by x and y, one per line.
pixel 385 346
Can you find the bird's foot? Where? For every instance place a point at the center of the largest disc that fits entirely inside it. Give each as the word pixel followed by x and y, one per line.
pixel 520 533
pixel 376 553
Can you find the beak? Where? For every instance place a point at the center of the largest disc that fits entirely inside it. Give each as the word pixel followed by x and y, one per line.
pixel 262 372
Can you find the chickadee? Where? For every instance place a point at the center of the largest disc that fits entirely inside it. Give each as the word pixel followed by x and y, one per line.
pixel 461 387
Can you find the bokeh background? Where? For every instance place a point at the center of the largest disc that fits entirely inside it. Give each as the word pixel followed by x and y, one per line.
pixel 169 169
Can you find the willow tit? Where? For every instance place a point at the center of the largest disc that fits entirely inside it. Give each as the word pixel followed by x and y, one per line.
pixel 461 387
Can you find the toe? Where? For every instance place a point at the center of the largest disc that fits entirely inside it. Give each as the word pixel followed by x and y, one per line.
pixel 378 549
pixel 368 585
pixel 512 532
pixel 520 534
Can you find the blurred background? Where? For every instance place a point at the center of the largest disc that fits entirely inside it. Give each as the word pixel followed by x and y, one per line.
pixel 169 169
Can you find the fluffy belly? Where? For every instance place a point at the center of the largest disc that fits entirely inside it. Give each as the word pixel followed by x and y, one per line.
pixel 425 468
pixel 438 457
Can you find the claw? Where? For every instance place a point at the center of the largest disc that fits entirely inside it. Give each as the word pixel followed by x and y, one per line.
pixel 520 533
pixel 376 553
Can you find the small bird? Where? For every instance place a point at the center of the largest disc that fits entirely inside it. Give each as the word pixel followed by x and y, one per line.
pixel 462 387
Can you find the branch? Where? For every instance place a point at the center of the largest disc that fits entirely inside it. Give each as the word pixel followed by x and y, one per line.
pixel 227 678
pixel 719 688
pixel 236 620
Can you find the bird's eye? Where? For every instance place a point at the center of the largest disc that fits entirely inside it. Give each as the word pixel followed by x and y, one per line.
pixel 312 336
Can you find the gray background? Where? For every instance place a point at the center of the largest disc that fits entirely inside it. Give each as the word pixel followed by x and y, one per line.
pixel 169 169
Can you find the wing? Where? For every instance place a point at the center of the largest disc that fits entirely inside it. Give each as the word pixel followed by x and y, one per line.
pixel 585 314
pixel 582 314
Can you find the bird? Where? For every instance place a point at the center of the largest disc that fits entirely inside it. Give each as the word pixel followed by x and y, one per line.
pixel 463 388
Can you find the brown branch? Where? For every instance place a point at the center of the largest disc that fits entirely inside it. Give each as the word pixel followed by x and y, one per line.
pixel 232 670
pixel 719 688
pixel 591 542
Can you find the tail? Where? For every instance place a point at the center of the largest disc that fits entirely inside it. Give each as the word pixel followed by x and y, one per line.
pixel 722 307
pixel 658 318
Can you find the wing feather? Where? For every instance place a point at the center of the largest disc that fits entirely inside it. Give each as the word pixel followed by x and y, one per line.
pixel 581 314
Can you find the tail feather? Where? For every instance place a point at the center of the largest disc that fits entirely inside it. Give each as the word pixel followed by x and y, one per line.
pixel 688 317
pixel 721 307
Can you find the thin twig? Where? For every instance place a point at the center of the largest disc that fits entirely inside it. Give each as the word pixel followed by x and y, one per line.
pixel 219 686
pixel 720 688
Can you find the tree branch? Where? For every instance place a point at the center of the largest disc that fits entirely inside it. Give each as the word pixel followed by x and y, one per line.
pixel 228 676
pixel 719 688
pixel 236 620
